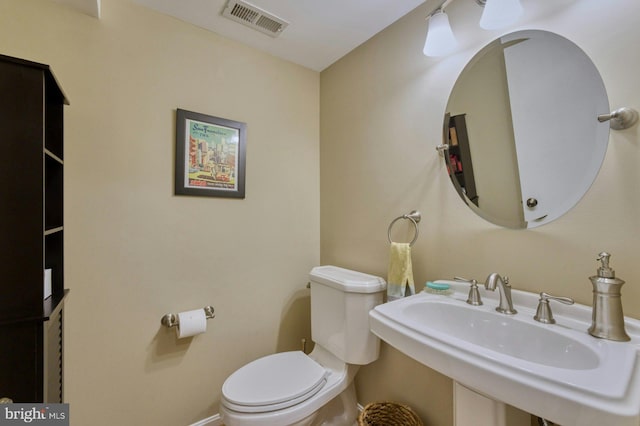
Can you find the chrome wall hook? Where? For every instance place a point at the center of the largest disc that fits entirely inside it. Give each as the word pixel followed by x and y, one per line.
pixel 620 119
pixel 442 148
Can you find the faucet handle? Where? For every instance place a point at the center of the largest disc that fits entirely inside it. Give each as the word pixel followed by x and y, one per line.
pixel 543 313
pixel 474 294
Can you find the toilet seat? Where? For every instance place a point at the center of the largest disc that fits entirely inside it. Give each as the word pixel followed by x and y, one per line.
pixel 273 382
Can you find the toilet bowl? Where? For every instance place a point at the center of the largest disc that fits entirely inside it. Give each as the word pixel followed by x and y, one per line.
pixel 295 389
pixel 289 388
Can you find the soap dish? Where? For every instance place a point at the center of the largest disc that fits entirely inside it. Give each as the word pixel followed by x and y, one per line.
pixel 437 288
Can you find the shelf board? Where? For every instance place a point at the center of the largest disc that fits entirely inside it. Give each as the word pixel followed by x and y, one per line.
pixel 50 306
pixel 53 304
pixel 53 156
pixel 53 230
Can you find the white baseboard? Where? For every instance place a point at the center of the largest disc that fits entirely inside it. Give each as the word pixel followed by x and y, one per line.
pixel 214 420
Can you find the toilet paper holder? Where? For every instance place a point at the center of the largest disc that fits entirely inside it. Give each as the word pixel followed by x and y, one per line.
pixel 171 320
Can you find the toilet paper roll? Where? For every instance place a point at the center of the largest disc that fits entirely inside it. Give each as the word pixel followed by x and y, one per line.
pixel 191 323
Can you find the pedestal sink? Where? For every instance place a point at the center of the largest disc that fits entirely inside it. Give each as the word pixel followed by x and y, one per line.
pixel 555 371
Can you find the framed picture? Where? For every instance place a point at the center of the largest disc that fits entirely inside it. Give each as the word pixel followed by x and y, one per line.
pixel 210 155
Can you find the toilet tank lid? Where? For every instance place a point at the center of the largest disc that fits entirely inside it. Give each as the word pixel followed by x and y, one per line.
pixel 347 280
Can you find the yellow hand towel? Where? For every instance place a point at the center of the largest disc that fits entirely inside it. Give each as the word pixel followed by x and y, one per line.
pixel 400 274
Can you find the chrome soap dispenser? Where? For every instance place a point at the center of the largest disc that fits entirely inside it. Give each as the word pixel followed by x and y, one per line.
pixel 607 317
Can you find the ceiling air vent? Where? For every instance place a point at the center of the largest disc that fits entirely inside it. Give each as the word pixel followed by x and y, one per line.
pixel 254 17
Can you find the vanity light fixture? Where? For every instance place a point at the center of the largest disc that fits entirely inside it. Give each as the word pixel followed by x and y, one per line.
pixel 440 39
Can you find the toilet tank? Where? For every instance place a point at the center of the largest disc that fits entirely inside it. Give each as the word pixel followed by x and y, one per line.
pixel 340 303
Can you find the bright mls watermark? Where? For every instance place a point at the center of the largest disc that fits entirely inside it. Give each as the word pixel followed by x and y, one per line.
pixel 34 414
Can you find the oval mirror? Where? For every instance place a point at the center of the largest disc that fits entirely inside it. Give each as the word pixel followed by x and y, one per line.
pixel 521 124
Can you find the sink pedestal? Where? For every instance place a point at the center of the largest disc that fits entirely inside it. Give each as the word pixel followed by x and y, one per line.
pixel 473 409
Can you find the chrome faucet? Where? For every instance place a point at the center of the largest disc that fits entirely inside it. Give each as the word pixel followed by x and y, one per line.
pixel 506 304
pixel 543 312
pixel 474 295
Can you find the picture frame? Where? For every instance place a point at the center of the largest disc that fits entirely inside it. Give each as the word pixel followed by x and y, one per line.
pixel 210 155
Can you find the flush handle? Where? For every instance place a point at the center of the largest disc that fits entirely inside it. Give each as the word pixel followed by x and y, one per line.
pixel 532 202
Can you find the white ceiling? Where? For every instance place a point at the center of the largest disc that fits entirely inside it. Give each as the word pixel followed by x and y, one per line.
pixel 320 31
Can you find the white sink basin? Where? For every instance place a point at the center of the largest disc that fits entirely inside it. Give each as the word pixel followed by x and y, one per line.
pixel 555 371
pixel 504 334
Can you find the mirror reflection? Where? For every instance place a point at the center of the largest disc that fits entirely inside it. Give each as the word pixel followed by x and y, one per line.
pixel 521 124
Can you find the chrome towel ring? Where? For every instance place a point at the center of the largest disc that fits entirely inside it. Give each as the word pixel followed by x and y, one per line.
pixel 414 217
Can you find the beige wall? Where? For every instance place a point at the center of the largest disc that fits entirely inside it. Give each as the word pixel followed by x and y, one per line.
pixel 381 118
pixel 134 251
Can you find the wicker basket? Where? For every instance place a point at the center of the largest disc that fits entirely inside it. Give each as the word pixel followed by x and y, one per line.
pixel 388 414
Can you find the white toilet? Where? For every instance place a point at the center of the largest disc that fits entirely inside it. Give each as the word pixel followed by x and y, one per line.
pixel 292 388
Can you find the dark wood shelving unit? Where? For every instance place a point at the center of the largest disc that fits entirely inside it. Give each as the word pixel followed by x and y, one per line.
pixel 459 156
pixel 31 232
